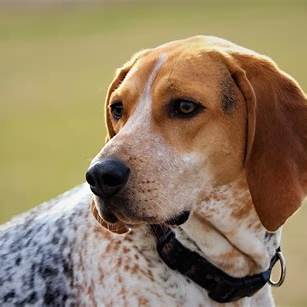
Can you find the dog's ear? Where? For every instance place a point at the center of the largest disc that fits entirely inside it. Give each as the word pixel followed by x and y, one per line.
pixel 120 75
pixel 276 145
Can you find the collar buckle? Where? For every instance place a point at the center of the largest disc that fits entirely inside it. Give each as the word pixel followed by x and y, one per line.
pixel 283 269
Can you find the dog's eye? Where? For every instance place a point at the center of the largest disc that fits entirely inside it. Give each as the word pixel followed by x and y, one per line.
pixel 117 109
pixel 184 108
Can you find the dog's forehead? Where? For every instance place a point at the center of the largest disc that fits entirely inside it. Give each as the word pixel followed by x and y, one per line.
pixel 180 63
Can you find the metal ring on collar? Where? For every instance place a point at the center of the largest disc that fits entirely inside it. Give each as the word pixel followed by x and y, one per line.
pixel 281 259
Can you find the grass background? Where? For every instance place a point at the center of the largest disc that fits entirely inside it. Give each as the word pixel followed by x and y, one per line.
pixel 56 63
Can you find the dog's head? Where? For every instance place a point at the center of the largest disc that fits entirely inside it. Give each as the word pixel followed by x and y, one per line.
pixel 192 115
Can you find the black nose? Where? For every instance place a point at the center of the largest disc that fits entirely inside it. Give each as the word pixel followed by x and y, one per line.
pixel 107 177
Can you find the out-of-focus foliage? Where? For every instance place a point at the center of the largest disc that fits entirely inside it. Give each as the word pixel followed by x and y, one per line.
pixel 55 66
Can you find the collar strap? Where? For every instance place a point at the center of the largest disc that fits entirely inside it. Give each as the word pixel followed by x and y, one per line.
pixel 221 287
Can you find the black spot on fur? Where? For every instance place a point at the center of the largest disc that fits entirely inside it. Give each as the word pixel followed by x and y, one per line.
pixel 68 270
pixel 10 295
pixel 55 240
pixel 31 280
pixel 268 236
pixel 50 297
pixel 31 299
pixel 48 271
pixel 18 260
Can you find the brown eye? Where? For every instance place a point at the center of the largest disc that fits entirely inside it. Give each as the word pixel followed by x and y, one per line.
pixel 117 110
pixel 184 108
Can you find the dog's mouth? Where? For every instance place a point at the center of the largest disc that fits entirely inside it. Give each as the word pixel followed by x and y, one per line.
pixel 107 214
pixel 112 220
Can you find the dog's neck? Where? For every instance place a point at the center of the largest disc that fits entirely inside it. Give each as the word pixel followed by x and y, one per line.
pixel 228 232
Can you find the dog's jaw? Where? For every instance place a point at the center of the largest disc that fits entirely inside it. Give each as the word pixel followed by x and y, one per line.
pixel 226 228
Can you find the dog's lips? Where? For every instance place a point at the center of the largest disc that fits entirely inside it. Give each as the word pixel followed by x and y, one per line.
pixel 118 228
pixel 103 210
pixel 108 217
pixel 113 217
pixel 106 214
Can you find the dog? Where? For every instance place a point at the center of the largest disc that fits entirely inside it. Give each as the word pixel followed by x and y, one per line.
pixel 205 161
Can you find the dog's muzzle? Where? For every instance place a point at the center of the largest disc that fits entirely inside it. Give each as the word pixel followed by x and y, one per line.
pixel 106 179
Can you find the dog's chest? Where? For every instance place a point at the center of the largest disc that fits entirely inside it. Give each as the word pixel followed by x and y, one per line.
pixel 128 272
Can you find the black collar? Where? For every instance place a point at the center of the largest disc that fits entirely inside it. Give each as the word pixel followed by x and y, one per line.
pixel 221 287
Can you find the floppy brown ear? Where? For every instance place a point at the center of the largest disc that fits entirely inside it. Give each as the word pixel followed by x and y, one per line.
pixel 276 151
pixel 120 75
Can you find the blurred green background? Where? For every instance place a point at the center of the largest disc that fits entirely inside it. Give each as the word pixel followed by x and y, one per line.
pixel 56 62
